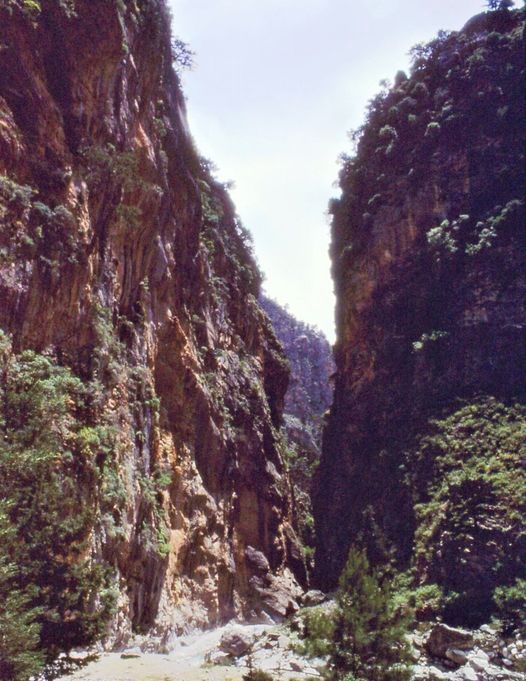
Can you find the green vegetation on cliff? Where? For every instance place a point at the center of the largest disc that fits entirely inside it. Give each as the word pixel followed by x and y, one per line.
pixel 48 477
pixel 468 485
pixel 141 382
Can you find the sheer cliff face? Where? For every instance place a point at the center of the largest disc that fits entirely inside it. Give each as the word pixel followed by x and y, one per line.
pixel 427 252
pixel 122 258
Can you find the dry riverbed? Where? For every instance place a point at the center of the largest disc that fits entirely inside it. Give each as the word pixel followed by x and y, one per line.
pixel 151 667
pixel 187 661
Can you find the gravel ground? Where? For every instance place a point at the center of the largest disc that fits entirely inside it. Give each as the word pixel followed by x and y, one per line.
pixel 150 667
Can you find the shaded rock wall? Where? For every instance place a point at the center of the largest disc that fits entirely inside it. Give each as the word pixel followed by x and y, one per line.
pixel 428 263
pixel 121 257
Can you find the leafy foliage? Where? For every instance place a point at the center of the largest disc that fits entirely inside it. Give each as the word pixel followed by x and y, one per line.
pixel 32 9
pixel 30 228
pixel 19 637
pixel 47 476
pixel 510 602
pixel 182 55
pixel 318 628
pixel 468 490
pixel 462 86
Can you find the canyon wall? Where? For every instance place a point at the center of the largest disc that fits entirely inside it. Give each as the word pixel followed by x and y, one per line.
pixel 307 399
pixel 428 263
pixel 122 259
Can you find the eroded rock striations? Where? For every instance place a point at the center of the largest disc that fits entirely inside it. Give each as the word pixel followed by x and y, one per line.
pixel 122 259
pixel 428 264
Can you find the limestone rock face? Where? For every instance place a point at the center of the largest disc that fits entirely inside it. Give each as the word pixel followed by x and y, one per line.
pixel 121 257
pixel 428 263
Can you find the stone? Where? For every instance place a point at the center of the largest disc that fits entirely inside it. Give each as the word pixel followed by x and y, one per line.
pixel 313 597
pixel 480 654
pixel 264 618
pixel 283 642
pixel 257 559
pixel 468 674
pixel 278 594
pixel 297 666
pixel 457 656
pixel 236 642
pixel 436 674
pixel 443 637
pixel 219 657
pixel 479 664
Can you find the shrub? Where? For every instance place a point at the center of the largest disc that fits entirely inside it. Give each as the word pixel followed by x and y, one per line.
pixel 257 675
pixel 469 488
pixel 442 239
pixel 432 129
pixel 182 55
pixel 364 636
pixel 19 629
pixel 510 603
pixel 48 476
pixel 318 631
pixel 423 603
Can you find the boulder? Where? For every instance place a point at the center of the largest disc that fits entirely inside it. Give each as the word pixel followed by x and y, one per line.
pixel 283 642
pixel 313 597
pixel 443 637
pixel 257 559
pixel 277 596
pixel 479 664
pixel 235 642
pixel 436 674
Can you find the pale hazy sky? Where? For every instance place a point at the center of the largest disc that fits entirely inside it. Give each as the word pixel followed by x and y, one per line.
pixel 277 85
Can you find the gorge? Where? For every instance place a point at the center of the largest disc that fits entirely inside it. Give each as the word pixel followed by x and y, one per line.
pixel 162 420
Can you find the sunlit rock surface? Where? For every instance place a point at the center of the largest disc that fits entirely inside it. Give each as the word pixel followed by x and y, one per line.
pixel 122 258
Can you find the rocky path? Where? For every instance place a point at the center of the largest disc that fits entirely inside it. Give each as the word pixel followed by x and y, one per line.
pixel 440 653
pixel 151 667
pixel 204 656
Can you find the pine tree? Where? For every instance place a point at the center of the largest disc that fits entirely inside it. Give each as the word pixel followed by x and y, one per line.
pixel 368 643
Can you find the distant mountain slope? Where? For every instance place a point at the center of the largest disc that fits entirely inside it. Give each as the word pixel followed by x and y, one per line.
pixel 308 397
pixel 310 355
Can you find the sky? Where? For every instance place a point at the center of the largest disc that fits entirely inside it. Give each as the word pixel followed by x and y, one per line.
pixel 275 89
